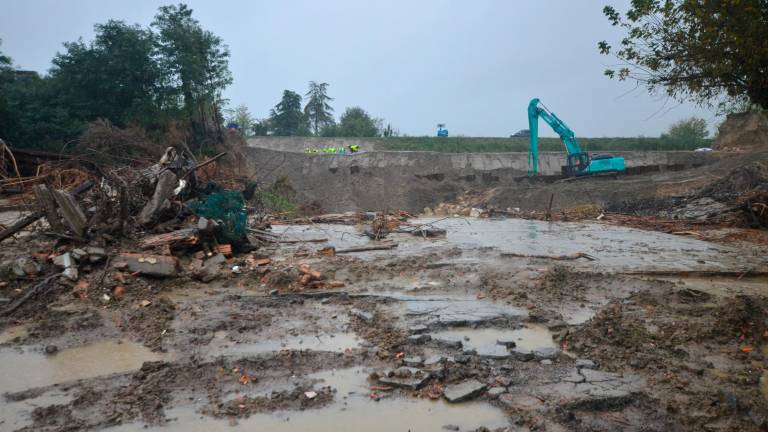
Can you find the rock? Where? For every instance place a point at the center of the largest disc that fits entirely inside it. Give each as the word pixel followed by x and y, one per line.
pixel 475 212
pixel 463 391
pixel 495 392
pixel 546 362
pixel 51 349
pixel 546 353
pixel 148 265
pixel 462 359
pixel 449 343
pixel 71 273
pixel 496 352
pixel 585 363
pixel 362 315
pixel 451 427
pixel 509 343
pixel 587 388
pixel 429 232
pixel 413 361
pixel 522 355
pixel 274 292
pixel 95 254
pixel 211 268
pixel 419 338
pixel 405 377
pixel 521 402
pixel 64 260
pixel 417 329
pixel 24 266
pixel 434 360
pixel 78 254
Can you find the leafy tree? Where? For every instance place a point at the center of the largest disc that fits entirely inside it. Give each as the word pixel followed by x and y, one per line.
pixel 7 116
pixel 195 66
pixel 114 77
pixel 356 122
pixel 318 111
pixel 700 50
pixel 686 132
pixel 240 116
pixel 261 127
pixel 286 117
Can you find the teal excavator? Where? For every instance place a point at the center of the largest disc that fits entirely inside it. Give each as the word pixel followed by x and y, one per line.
pixel 578 163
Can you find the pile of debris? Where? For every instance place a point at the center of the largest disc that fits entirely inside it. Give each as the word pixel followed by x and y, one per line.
pixel 138 220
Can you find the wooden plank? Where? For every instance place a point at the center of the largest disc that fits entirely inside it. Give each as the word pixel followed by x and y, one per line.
pixel 47 202
pixel 184 236
pixel 71 212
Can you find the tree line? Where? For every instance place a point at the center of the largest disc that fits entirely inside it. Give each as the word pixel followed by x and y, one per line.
pixel 288 118
pixel 170 74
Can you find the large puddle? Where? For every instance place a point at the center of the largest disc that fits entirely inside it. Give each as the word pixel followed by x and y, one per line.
pixel 333 342
pixel 28 367
pixel 352 410
pixel 617 247
pixel 488 341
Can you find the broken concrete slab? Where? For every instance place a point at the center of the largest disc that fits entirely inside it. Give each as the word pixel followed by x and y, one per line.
pixel 434 360
pixel 591 388
pixel 78 254
pixel 362 315
pixel 64 260
pixel 148 265
pixel 460 311
pixel 546 353
pixel 47 202
pixel 496 352
pixel 495 392
pixel 414 361
pixel 463 391
pixel 405 377
pixel 419 338
pixel 585 363
pixel 95 253
pixel 521 402
pixel 211 268
pixel 416 329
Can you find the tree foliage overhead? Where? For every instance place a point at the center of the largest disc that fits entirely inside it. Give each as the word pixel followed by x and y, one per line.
pixel 700 50
pixel 286 117
pixel 318 111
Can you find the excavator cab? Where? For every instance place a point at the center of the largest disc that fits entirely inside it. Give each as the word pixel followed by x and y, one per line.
pixel 577 164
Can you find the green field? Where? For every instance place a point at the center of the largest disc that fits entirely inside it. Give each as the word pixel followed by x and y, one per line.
pixel 478 145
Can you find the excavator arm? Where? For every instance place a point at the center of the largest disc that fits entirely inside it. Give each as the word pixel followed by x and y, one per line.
pixel 566 134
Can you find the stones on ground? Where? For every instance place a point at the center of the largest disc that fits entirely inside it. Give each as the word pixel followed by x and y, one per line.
pixel 434 360
pixel 585 363
pixel 419 338
pixel 495 392
pixel 521 402
pixel 95 254
pixel 507 342
pixel 545 362
pixel 591 388
pixel 148 265
pixel 79 254
pixel 211 268
pixel 64 260
pixel 414 361
pixel 405 377
pixel 450 427
pixel 447 311
pixel 417 329
pixel 546 353
pixel 496 352
pixel 463 391
pixel 71 273
pixel 24 266
pixel 362 315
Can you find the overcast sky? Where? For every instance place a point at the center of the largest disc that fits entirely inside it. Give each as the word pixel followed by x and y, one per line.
pixel 472 65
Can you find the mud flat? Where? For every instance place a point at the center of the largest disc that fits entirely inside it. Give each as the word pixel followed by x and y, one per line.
pixel 481 328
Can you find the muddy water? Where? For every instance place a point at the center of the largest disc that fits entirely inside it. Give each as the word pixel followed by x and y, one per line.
pixel 527 339
pixel 16 415
pixel 615 247
pixel 31 368
pixel 335 342
pixel 352 410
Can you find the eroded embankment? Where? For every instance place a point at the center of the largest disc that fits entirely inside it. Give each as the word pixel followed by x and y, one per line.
pixel 414 180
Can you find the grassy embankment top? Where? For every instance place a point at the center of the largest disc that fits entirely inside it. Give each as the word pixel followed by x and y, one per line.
pixel 478 145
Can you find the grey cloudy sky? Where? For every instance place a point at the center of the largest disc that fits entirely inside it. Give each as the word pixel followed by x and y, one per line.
pixel 472 65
